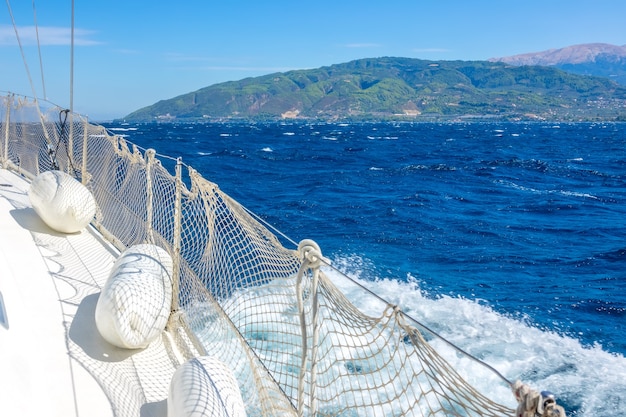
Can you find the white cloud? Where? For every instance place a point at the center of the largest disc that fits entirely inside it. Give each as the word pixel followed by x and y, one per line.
pixel 48 35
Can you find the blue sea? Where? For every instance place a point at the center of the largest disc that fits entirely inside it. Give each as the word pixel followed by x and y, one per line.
pixel 507 238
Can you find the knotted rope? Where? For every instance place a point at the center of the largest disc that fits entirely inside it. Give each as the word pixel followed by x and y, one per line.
pixel 311 257
pixel 532 403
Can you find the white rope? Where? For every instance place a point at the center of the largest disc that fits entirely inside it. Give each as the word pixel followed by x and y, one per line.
pixel 314 263
pixel 311 260
pixel 149 194
pixel 303 332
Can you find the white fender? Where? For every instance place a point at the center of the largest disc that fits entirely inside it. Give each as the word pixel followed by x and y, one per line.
pixel 135 303
pixel 204 387
pixel 62 202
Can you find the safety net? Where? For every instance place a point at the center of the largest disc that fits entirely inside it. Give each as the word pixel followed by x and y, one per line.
pixel 268 309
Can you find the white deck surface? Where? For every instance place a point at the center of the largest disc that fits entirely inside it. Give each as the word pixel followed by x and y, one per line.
pixel 53 362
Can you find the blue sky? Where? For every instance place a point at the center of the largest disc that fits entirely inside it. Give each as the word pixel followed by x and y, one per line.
pixel 133 53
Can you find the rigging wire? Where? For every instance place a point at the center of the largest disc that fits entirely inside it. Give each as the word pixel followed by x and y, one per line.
pixel 72 67
pixel 30 78
pixel 71 132
pixel 43 82
pixel 19 42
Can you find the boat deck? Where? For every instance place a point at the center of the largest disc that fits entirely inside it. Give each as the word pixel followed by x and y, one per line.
pixel 53 361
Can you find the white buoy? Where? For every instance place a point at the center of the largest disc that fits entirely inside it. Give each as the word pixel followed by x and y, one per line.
pixel 204 387
pixel 135 302
pixel 62 202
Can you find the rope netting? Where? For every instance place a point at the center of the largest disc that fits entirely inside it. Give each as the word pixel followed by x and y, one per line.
pixel 294 341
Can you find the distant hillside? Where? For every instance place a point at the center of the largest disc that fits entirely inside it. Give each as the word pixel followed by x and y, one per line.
pixel 400 88
pixel 598 59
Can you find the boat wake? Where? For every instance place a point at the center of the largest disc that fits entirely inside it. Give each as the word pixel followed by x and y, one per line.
pixel 587 380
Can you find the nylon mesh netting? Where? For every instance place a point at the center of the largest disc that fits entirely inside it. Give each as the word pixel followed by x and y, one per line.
pixel 295 343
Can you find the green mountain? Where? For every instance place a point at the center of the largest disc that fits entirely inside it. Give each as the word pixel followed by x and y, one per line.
pixel 402 88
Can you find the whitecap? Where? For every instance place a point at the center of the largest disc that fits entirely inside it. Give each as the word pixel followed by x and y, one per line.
pixel 122 129
pixel 534 190
pixel 576 194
